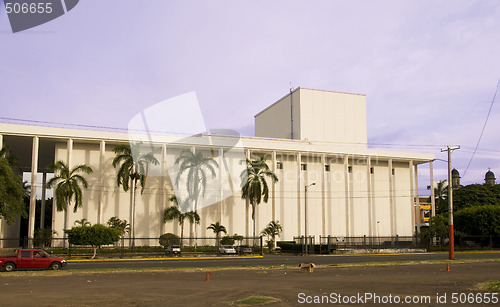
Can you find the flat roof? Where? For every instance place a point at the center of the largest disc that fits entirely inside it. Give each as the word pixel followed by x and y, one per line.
pixel 305 88
pixel 253 143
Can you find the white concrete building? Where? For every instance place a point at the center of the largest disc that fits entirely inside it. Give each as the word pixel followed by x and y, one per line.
pixel 357 191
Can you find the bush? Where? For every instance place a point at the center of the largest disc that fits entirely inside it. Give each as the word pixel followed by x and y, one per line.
pixel 478 221
pixel 227 240
pixel 289 246
pixel 167 239
pixel 95 236
pixel 43 237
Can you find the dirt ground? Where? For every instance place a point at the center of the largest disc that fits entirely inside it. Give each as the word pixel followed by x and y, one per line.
pixel 174 288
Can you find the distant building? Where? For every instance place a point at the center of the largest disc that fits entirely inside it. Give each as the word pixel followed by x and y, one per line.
pixel 489 178
pixel 455 179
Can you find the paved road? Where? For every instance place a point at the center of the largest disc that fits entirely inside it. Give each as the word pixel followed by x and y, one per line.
pixel 275 260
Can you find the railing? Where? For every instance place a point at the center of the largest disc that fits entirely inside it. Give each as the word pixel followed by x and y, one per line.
pixel 137 247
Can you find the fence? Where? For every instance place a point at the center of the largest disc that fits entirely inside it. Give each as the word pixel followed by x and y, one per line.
pixel 137 247
pixel 334 244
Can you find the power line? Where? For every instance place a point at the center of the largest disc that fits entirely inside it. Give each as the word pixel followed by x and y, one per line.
pixel 482 131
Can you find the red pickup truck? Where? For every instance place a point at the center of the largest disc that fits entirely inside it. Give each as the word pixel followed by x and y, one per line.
pixel 31 259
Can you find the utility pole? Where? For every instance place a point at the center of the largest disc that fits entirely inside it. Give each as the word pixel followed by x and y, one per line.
pixel 451 236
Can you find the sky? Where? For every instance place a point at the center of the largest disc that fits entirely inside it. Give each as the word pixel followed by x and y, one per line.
pixel 429 69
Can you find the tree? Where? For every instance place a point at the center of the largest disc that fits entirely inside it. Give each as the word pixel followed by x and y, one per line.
pixel 272 230
pixel 476 195
pixel 441 196
pixel 5 153
pixel 95 236
pixel 82 222
pixel 196 164
pixel 254 186
pixel 168 239
pixel 67 184
pixel 227 240
pixel 438 228
pixel 11 193
pixel 217 228
pixel 478 221
pixel 133 169
pixel 121 225
pixel 173 212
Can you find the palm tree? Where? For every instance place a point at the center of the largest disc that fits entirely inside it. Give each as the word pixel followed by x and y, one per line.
pixel 441 196
pixel 5 153
pixel 83 222
pixel 217 228
pixel 272 230
pixel 173 212
pixel 254 186
pixel 67 184
pixel 196 164
pixel 134 167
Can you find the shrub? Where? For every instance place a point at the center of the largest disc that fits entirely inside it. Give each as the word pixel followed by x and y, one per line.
pixel 478 221
pixel 167 239
pixel 43 237
pixel 95 236
pixel 289 246
pixel 227 240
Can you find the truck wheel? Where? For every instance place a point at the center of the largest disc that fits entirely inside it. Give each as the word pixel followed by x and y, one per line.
pixel 9 266
pixel 55 266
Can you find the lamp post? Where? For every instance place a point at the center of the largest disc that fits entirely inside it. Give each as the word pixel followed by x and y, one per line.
pixel 305 214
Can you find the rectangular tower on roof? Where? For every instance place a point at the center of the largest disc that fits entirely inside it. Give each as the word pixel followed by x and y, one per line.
pixel 315 115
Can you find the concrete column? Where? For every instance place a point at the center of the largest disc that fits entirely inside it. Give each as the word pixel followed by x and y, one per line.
pixel 299 188
pixel 42 209
pixel 102 158
pixel 69 158
pixel 369 196
pixel 374 203
pixel 34 171
pixel 248 213
pixel 165 195
pixel 391 200
pixel 414 209
pixel 1 141
pixel 273 192
pixel 323 195
pixel 347 197
pixel 417 203
pixel 433 197
pixel 221 185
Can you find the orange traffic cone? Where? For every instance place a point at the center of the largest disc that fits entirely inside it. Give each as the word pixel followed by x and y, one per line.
pixel 207 278
pixel 447 267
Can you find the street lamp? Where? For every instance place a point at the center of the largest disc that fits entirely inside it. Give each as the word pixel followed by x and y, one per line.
pixel 305 212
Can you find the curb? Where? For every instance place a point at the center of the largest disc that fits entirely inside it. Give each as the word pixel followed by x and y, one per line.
pixel 163 259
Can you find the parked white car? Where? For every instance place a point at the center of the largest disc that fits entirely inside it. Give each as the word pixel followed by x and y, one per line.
pixel 227 250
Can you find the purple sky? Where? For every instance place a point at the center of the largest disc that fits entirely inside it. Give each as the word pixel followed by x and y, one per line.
pixel 429 68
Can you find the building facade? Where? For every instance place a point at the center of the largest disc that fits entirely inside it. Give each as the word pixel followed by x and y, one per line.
pixel 351 190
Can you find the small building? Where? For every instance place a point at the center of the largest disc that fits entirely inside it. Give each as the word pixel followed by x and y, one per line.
pixel 489 178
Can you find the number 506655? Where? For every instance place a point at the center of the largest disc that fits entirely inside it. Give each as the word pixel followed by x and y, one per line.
pixel 28 8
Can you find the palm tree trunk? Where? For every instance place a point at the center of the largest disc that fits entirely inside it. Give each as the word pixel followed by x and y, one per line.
pixel 182 233
pixel 253 217
pixel 65 221
pixel 133 212
pixel 194 225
